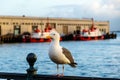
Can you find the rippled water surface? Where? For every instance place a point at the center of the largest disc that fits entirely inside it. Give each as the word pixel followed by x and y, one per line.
pixel 95 58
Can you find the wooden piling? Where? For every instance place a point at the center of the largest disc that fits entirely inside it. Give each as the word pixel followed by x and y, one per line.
pixel 10 38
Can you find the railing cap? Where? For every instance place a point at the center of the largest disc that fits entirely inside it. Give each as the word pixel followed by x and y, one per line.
pixel 31 59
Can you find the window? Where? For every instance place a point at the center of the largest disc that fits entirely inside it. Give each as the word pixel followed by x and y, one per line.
pixel 41 23
pixel 3 23
pixel 102 24
pixel 34 28
pixel 78 28
pixel 53 25
pixel 65 29
pixel 16 30
pixel 23 23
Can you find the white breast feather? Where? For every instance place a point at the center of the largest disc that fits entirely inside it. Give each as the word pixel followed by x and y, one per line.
pixel 56 55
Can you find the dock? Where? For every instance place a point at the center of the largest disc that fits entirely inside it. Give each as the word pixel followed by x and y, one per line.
pixel 9 38
pixel 32 73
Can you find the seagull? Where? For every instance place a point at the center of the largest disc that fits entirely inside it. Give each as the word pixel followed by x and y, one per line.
pixel 59 54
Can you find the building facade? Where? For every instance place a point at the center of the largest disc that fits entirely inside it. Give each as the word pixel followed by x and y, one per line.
pixel 19 24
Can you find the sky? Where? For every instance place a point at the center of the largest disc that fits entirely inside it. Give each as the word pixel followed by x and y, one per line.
pixel 100 10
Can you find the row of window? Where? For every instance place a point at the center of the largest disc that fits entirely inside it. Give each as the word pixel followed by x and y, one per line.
pixel 16 23
pixel 62 24
pixel 74 24
pixel 102 24
pixel 32 23
pixel 4 23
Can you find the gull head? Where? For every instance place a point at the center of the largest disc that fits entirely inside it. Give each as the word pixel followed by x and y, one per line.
pixel 54 35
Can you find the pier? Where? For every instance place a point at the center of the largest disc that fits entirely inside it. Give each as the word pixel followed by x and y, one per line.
pixel 32 73
pixel 9 38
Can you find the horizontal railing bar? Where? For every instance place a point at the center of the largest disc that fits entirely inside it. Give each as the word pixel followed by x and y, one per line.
pixel 23 76
pixel 47 77
pixel 16 76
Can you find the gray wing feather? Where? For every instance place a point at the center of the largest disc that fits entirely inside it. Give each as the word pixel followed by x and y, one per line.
pixel 67 53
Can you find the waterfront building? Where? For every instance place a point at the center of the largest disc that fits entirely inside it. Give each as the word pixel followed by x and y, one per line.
pixel 19 24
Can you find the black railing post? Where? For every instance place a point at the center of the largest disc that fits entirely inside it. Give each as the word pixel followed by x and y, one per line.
pixel 31 71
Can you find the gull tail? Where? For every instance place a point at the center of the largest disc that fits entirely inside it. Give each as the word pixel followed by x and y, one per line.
pixel 73 65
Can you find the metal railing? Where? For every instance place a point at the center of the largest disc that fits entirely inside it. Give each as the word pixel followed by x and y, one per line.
pixel 32 74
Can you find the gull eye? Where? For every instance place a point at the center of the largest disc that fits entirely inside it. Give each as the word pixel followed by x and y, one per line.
pixel 53 34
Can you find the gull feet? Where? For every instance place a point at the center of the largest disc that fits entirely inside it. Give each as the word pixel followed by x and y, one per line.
pixel 60 75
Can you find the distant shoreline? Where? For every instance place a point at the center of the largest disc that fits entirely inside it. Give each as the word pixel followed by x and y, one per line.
pixel 114 31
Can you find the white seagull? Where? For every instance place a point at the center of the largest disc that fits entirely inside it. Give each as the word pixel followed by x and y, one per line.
pixel 59 54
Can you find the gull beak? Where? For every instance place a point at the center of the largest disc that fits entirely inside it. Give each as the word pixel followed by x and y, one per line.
pixel 48 37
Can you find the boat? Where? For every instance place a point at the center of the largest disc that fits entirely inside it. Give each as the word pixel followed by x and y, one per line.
pixel 37 36
pixel 91 34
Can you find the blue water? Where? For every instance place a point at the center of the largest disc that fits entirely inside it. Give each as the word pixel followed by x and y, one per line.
pixel 95 58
